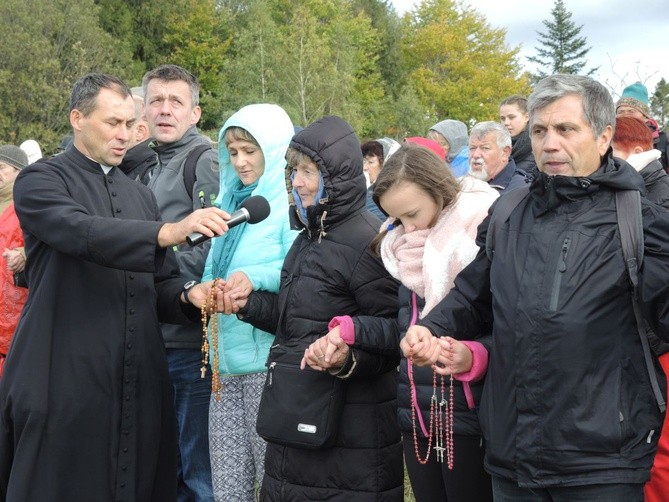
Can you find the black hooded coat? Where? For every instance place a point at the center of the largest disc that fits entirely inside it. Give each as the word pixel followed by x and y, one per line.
pixel 330 271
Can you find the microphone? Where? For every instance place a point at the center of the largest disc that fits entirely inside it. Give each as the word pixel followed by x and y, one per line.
pixel 253 210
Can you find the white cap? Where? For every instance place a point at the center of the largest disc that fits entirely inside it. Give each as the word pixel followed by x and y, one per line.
pixel 32 149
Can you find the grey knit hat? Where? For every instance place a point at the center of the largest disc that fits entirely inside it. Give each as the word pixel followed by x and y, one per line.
pixel 455 133
pixel 14 156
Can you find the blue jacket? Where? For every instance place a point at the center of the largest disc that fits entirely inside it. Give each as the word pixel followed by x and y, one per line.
pixel 262 246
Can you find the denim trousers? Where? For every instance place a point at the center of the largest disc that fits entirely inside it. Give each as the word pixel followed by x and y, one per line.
pixel 191 401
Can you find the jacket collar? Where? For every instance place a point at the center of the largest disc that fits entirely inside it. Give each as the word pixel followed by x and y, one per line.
pixel 167 151
pixel 612 175
pixel 503 178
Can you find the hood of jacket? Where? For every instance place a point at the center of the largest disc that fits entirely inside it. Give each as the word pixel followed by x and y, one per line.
pixel 272 128
pixel 334 147
pixel 613 174
pixel 455 133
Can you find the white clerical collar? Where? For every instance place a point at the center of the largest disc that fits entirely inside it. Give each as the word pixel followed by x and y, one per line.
pixel 105 169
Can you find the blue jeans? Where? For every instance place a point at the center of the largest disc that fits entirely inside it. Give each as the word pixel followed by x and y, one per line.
pixel 191 401
pixel 506 490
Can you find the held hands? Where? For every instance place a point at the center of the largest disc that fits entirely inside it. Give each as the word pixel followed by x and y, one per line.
pixel 329 351
pixel 236 291
pixel 422 345
pixel 199 294
pixel 210 221
pixel 16 262
pixel 444 354
pixel 229 295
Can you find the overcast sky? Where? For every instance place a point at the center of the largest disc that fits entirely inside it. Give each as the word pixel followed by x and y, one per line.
pixel 629 40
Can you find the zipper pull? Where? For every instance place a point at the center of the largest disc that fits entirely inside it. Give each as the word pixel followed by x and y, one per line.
pixel 270 374
pixel 563 254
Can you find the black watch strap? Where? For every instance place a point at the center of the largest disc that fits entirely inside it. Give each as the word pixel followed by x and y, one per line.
pixel 185 290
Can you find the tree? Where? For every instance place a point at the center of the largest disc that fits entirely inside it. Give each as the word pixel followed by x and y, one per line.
pixel 659 104
pixel 314 58
pixel 458 65
pixel 561 49
pixel 45 45
pixel 197 38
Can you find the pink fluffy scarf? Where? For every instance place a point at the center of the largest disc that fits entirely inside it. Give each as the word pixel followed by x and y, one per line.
pixel 427 261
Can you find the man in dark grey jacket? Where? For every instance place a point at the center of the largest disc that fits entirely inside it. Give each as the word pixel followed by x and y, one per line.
pixel 567 411
pixel 171 96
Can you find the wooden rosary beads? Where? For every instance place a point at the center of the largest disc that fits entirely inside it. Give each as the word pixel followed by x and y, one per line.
pixel 209 311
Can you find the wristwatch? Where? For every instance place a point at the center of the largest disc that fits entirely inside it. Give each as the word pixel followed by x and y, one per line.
pixel 183 296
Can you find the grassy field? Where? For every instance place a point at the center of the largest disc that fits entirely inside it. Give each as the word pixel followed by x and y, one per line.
pixel 408 494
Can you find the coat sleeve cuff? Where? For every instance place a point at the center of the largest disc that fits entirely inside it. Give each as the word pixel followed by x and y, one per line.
pixel 479 363
pixel 346 328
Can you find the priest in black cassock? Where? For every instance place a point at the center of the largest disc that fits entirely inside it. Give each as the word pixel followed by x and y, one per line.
pixel 86 410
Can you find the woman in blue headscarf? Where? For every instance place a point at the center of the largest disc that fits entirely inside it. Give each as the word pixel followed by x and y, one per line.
pixel 252 147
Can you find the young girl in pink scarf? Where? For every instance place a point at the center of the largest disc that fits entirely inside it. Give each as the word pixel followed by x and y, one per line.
pixel 428 238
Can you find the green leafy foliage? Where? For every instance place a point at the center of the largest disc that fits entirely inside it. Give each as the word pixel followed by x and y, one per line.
pixel 44 47
pixel 659 104
pixel 386 75
pixel 459 66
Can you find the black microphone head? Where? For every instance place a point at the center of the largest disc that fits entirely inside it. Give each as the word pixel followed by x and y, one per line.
pixel 258 208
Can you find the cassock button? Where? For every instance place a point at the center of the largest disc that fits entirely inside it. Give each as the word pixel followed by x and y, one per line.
pixel 131 276
pixel 129 345
pixel 131 329
pixel 125 432
pixel 118 210
pixel 124 468
pixel 110 180
pixel 122 485
pixel 125 450
pixel 113 194
pixel 132 311
pixel 132 295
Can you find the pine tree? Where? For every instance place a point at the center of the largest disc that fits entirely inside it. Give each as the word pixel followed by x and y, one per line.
pixel 659 104
pixel 561 49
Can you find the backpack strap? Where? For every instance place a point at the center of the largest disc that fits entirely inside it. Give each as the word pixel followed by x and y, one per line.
pixel 189 167
pixel 503 209
pixel 630 225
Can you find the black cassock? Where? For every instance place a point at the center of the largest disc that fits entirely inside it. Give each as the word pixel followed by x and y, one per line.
pixel 86 410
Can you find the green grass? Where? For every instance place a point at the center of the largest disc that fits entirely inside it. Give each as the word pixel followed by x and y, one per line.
pixel 408 493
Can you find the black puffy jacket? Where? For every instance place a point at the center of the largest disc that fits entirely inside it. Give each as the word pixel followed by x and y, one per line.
pixel 466 420
pixel 567 399
pixel 329 271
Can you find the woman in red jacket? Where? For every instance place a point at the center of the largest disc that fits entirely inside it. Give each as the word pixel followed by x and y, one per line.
pixel 12 297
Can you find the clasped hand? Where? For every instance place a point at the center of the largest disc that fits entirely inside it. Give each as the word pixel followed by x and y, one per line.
pixel 230 295
pixel 446 355
pixel 328 352
pixel 15 260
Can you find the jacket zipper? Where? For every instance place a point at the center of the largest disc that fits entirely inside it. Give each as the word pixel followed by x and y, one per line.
pixel 270 374
pixel 559 272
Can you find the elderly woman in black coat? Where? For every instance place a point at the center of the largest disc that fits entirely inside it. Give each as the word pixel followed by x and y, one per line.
pixel 330 272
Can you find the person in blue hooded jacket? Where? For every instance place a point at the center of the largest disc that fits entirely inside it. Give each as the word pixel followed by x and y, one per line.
pixel 252 146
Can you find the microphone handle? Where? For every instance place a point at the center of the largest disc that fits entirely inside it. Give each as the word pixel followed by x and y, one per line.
pixel 240 216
